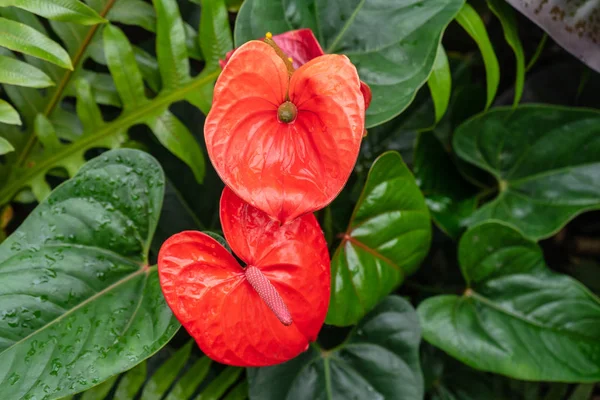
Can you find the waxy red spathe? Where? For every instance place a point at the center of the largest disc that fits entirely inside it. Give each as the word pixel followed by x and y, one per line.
pixel 224 306
pixel 285 169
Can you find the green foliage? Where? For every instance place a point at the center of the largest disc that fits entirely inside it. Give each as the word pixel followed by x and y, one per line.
pixel 516 317
pixel 378 360
pixel 440 83
pixel 64 328
pixel 394 58
pixel 387 238
pixel 474 26
pixel 81 311
pixel 129 67
pixel 182 376
pixel 544 179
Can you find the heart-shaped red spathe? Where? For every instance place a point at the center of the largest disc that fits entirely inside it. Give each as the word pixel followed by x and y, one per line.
pixel 285 169
pixel 215 300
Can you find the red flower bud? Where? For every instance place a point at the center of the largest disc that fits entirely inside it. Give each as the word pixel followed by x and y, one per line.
pixel 264 314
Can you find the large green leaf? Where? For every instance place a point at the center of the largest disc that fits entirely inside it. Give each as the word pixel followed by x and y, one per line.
pixel 572 24
pixel 394 58
pixel 25 39
pixel 546 160
pixel 516 318
pixel 59 10
pixel 387 238
pixel 15 72
pixel 79 302
pixel 379 360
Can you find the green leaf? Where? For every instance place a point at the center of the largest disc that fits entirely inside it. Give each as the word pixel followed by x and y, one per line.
pixel 440 83
pixel 5 146
pixel 131 382
pixel 164 376
pixel 24 39
pixel 449 197
pixel 128 81
pixel 123 68
pixel 187 385
pixel 59 10
pixel 570 23
pixel 583 392
pixel 220 384
pixel 240 392
pixel 474 26
pixel 379 360
pixel 8 115
pixel 215 34
pixel 517 317
pixel 67 328
pixel 395 58
pixel 15 72
pixel 215 41
pixel 387 238
pixel 507 18
pixel 170 45
pixel 45 133
pixel 544 179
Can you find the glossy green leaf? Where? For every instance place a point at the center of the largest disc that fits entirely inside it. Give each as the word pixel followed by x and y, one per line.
pixel 131 382
pixel 128 81
pixel 572 24
pixel 25 39
pixel 379 360
pixel 440 83
pixel 16 72
pixel 8 115
pixel 507 18
pixel 59 10
pixel 546 160
pixel 170 45
pixel 66 328
pixel 449 197
pixel 395 58
pixel 474 26
pixel 387 238
pixel 5 146
pixel 517 317
pixel 164 376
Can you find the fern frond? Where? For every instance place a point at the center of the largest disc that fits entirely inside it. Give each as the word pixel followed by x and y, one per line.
pixel 131 68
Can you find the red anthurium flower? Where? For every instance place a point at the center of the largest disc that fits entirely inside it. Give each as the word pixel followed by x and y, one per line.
pixel 285 141
pixel 263 314
pixel 302 46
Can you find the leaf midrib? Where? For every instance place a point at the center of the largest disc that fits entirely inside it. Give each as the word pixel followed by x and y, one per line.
pixel 97 295
pixel 112 128
pixel 489 303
